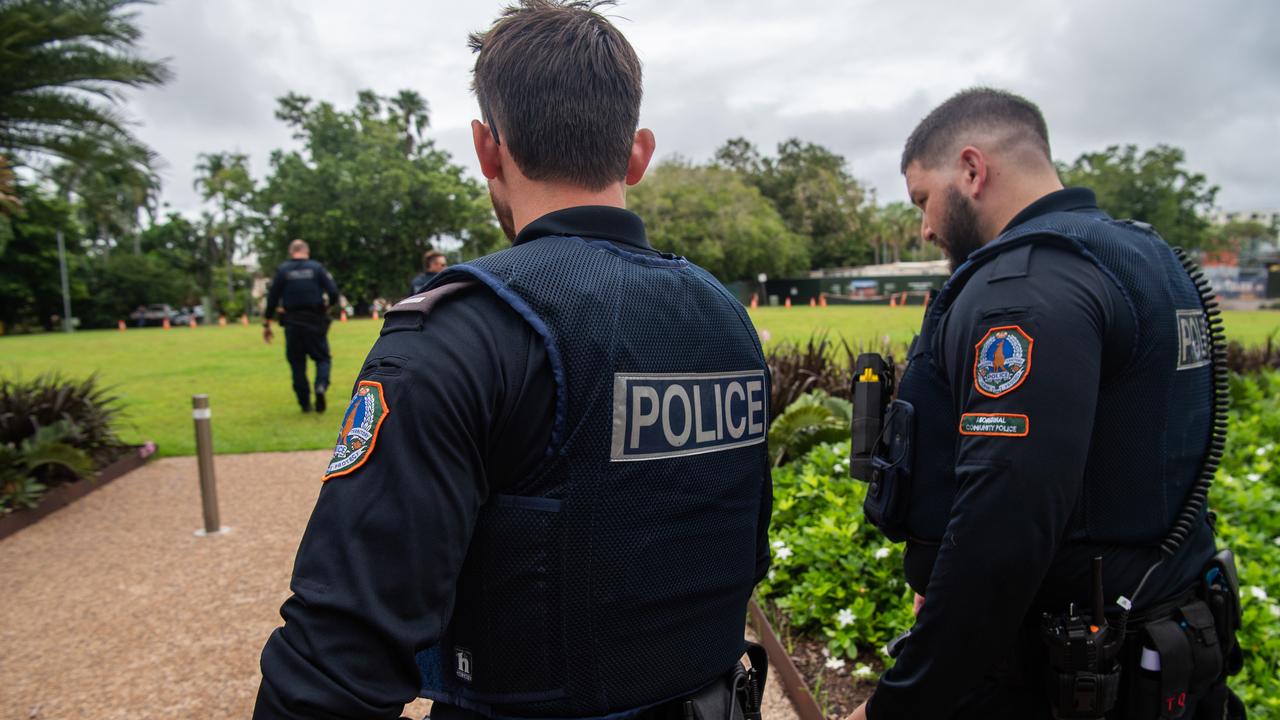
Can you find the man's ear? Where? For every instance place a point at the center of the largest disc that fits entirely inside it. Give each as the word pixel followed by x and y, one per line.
pixel 487 150
pixel 642 148
pixel 973 171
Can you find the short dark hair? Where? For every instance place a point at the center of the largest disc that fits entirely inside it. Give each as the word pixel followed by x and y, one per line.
pixel 427 257
pixel 560 85
pixel 972 110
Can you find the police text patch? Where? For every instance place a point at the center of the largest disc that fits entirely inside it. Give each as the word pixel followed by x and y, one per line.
pixel 995 424
pixel 1194 343
pixel 667 415
pixel 359 431
pixel 1002 360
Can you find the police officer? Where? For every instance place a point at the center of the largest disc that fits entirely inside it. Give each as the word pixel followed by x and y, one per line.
pixel 301 284
pixel 550 492
pixel 1059 404
pixel 432 264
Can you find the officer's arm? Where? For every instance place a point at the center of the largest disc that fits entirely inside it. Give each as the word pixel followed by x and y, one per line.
pixel 1020 467
pixel 273 295
pixel 374 578
pixel 330 287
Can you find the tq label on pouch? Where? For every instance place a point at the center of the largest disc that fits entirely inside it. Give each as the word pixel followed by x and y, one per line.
pixel 661 416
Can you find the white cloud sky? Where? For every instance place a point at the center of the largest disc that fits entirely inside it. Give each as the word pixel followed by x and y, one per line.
pixel 854 76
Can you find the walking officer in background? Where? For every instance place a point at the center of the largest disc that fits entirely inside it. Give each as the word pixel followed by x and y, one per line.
pixel 432 263
pixel 301 285
pixel 550 493
pixel 1058 406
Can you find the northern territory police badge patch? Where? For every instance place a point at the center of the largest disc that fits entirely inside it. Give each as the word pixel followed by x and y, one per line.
pixel 360 425
pixel 1002 360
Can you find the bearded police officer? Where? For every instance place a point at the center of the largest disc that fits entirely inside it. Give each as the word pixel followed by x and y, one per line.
pixel 550 492
pixel 301 285
pixel 1058 406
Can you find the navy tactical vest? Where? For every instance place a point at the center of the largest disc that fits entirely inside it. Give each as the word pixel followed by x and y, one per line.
pixel 1152 425
pixel 617 575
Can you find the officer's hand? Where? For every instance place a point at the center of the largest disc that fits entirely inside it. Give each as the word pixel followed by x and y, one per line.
pixel 266 334
pixel 859 713
pixel 919 603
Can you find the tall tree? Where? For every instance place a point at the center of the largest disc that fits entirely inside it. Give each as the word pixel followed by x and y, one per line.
pixel 223 179
pixel 716 219
pixel 64 65
pixel 367 201
pixel 815 194
pixel 1153 187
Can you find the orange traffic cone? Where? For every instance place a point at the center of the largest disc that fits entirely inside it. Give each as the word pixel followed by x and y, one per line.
pixel 813 302
pixel 222 321
pixel 343 317
pixel 822 301
pixel 244 319
pixel 375 314
pixel 191 322
pixel 165 324
pixel 755 301
pixel 893 301
pixel 787 303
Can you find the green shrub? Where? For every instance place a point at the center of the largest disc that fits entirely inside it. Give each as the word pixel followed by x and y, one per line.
pixel 88 411
pixel 48 448
pixel 812 419
pixel 834 576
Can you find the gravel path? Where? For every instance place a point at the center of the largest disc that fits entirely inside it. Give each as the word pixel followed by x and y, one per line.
pixel 112 608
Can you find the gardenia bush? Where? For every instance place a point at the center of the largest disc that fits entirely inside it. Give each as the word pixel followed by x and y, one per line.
pixel 837 579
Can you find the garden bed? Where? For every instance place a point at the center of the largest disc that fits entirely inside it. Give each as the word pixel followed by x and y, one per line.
pixel 64 494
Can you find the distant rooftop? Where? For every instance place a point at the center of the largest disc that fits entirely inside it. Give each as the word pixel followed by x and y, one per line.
pixel 898 269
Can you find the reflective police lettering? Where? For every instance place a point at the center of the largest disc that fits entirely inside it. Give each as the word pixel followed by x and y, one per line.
pixel 1193 339
pixel 666 415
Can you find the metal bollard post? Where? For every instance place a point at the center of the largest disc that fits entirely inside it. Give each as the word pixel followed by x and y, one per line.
pixel 201 413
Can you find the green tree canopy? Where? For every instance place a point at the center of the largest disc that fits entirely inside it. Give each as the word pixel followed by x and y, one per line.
pixel 1152 187
pixel 712 216
pixel 813 191
pixel 367 199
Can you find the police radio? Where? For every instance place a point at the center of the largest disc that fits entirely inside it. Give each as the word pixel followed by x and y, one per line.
pixel 873 385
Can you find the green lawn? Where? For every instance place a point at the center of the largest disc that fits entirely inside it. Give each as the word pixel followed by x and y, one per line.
pixel 156 372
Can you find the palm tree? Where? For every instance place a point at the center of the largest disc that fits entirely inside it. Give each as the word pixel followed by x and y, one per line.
pixel 413 115
pixel 64 65
pixel 224 177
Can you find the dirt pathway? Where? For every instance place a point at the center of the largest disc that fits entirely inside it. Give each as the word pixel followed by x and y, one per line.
pixel 113 609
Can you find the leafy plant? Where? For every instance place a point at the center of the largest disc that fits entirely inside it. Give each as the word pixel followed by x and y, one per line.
pixel 819 364
pixel 88 411
pixel 813 418
pixel 47 450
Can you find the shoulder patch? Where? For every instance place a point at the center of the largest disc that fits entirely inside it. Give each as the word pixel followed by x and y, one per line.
pixel 995 424
pixel 360 425
pixel 1002 360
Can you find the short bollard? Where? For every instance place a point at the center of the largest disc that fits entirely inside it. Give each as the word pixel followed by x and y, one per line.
pixel 202 415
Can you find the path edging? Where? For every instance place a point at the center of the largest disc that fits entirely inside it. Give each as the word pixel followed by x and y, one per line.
pixel 793 684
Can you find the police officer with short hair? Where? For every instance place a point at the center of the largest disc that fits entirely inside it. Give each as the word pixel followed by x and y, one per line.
pixel 301 285
pixel 433 262
pixel 550 492
pixel 1058 406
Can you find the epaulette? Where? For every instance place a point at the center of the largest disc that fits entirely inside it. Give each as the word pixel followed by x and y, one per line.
pixel 410 313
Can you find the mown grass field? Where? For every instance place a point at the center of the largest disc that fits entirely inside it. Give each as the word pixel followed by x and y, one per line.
pixel 156 372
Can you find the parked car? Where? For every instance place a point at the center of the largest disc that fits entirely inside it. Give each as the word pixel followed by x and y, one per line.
pixel 152 315
pixel 184 316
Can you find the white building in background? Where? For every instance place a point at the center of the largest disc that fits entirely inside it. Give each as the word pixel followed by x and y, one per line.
pixel 1268 218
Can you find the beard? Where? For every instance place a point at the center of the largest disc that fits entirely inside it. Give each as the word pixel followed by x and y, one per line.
pixel 960 234
pixel 502 210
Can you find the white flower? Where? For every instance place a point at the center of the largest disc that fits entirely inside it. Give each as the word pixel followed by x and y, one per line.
pixel 1277 541
pixel 779 543
pixel 771 574
pixel 1258 593
pixel 765 336
pixel 1261 451
pixel 1253 477
pixel 1275 610
pixel 845 617
pixel 885 651
pixel 835 664
pixel 882 553
pixel 783 552
pixel 864 672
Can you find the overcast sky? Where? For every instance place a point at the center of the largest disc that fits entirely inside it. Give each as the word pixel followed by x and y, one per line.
pixel 853 76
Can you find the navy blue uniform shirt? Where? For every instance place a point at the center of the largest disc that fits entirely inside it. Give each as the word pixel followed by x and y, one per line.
pixel 1016 495
pixel 471 399
pixel 301 285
